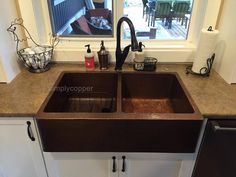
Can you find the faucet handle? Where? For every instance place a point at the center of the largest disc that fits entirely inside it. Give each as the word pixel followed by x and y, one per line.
pixel 126 51
pixel 120 57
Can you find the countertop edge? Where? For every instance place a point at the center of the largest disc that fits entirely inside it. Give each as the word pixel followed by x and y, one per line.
pixel 33 115
pixel 15 115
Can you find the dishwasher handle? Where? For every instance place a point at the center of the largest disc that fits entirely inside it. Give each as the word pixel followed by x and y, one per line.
pixel 217 127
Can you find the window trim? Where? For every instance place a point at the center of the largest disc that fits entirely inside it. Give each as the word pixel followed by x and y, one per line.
pixel 117 13
pixel 167 46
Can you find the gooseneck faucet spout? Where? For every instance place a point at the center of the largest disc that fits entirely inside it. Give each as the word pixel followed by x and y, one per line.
pixel 121 55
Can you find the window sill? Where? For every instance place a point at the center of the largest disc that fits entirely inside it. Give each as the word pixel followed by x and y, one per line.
pixel 165 51
pixel 79 43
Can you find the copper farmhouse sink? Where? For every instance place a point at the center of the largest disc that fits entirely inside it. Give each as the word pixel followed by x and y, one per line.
pixel 153 93
pixel 84 92
pixel 119 112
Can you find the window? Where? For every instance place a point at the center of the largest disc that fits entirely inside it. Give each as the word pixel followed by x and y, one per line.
pixel 36 16
pixel 81 17
pixel 153 19
pixel 159 19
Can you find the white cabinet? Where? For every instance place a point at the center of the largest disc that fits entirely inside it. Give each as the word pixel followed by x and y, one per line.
pixel 20 155
pixel 119 164
pixel 81 164
pixel 157 165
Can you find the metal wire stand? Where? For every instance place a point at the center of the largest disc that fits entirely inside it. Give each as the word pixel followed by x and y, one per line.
pixel 204 71
pixel 38 61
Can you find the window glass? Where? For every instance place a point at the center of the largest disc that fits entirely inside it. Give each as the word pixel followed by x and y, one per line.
pixel 81 17
pixel 159 19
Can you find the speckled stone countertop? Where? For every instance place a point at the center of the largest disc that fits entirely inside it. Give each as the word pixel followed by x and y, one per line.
pixel 25 94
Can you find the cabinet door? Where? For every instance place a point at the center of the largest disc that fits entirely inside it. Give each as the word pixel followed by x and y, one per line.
pixel 217 155
pixel 81 164
pixel 19 155
pixel 155 165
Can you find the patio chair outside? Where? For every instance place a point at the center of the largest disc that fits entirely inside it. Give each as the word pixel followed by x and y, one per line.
pixel 80 26
pixel 145 7
pixel 83 27
pixel 162 11
pixel 98 3
pixel 179 10
pixel 151 6
pixel 100 12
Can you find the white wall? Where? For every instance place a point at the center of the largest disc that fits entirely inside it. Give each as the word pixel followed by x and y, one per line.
pixel 225 63
pixel 8 58
pixel 2 72
pixel 31 10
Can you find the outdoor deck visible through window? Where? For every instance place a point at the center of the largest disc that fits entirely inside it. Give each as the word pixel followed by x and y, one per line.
pixel 159 19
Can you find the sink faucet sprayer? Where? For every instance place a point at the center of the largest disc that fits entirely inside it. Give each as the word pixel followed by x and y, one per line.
pixel 121 55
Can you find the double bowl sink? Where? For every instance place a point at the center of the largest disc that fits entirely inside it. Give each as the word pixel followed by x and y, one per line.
pixel 119 112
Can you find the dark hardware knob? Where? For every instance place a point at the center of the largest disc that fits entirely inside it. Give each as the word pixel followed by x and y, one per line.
pixel 114 164
pixel 29 130
pixel 123 164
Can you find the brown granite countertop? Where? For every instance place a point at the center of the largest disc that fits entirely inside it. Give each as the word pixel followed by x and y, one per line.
pixel 25 94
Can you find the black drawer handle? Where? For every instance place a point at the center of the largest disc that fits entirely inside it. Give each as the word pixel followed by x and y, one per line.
pixel 123 164
pixel 29 130
pixel 114 164
pixel 217 127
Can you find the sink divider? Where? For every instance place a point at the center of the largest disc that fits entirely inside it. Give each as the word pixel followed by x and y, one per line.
pixel 119 94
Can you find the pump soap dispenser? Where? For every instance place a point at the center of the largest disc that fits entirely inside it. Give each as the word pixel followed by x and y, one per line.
pixel 89 59
pixel 139 55
pixel 103 57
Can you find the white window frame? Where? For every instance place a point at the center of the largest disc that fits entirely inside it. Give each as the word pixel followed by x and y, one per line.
pixel 204 13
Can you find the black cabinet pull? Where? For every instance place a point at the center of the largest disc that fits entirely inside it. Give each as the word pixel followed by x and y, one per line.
pixel 29 130
pixel 123 164
pixel 114 164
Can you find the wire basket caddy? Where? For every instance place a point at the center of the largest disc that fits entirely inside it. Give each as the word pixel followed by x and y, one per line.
pixel 149 64
pixel 36 58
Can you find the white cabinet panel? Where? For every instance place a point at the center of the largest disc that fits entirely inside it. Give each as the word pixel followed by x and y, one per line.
pixel 19 155
pixel 80 165
pixel 157 165
pixel 134 164
pixel 153 168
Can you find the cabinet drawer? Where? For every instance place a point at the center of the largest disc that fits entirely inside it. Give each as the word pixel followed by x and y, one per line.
pixel 174 136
